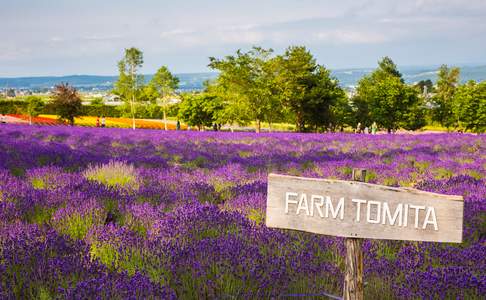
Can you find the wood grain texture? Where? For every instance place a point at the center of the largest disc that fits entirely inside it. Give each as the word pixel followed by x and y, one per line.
pixel 448 210
pixel 353 288
pixel 353 276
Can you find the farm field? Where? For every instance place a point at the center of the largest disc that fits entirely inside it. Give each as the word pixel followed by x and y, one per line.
pixel 117 213
pixel 90 121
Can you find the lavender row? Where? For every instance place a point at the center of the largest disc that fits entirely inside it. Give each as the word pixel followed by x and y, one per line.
pixel 116 213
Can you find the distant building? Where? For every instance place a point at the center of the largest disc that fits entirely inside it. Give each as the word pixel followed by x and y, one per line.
pixel 174 100
pixel 10 93
pixel 111 99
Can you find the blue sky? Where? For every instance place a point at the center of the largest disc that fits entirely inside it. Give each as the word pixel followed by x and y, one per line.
pixel 54 37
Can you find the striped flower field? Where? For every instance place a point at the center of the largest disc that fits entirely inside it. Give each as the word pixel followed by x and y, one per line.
pixel 90 121
pixel 113 213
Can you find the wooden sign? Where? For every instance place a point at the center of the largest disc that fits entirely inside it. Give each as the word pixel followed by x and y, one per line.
pixel 362 210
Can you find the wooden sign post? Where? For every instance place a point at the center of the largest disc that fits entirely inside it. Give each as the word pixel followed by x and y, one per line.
pixel 353 274
pixel 357 210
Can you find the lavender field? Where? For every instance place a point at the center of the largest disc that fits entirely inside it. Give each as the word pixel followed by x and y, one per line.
pixel 115 214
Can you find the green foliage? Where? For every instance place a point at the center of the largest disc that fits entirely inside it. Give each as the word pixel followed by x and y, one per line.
pixel 38 184
pixel 130 85
pixel 342 113
pixel 199 109
pixel 246 82
pixel 387 66
pixel 66 102
pixel 469 106
pixel 76 225
pixel 97 102
pixel 261 87
pixel 308 90
pixel 105 253
pixel 442 173
pixel 34 107
pixel 114 174
pixel 370 176
pixel 164 84
pixel 39 215
pixel 98 106
pixel 256 215
pixel 232 109
pixel 447 82
pixel 11 106
pixel 387 100
pixel 391 181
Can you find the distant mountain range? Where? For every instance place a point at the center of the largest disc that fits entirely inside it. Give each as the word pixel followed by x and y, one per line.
pixel 194 81
pixel 350 77
pixel 187 81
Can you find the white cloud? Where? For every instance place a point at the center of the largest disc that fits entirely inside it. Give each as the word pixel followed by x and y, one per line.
pixel 185 34
pixel 56 39
pixel 339 36
pixel 213 36
pixel 96 37
pixel 240 36
pixel 176 32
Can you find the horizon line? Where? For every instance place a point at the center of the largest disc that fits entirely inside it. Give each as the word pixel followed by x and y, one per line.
pixel 459 65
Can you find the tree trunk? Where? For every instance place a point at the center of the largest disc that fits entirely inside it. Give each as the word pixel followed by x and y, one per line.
pixel 300 123
pixel 133 112
pixel 132 71
pixel 165 121
pixel 258 126
pixel 30 119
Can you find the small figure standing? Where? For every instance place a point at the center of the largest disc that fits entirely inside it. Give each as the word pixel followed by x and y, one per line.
pixel 374 127
pixel 3 119
pixel 366 130
pixel 178 125
pixel 97 121
pixel 358 128
pixel 103 121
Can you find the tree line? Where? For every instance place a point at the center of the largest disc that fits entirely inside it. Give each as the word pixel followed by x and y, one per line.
pixel 260 86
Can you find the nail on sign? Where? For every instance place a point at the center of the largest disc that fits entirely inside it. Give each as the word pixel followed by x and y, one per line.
pixel 362 210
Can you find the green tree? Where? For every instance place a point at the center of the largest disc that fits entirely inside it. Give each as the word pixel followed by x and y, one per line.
pixel 387 100
pixel 447 82
pixel 247 80
pixel 308 90
pixel 326 100
pixel 469 106
pixel 98 105
pixel 232 110
pixel 34 107
pixel 199 109
pixel 165 85
pixel 130 84
pixel 66 102
pixel 414 116
pixel 387 66
pixel 361 112
pixel 342 113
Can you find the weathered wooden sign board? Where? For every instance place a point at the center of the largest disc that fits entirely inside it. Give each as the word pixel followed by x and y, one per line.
pixel 362 210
